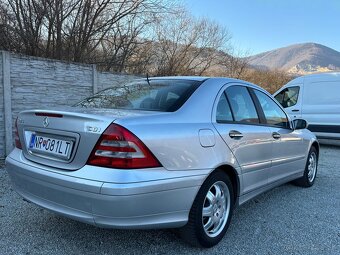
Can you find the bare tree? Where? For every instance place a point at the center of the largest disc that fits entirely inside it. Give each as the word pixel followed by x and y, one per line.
pixel 26 19
pixel 139 36
pixel 120 45
pixel 56 26
pixel 185 45
pixel 271 80
pixel 74 29
pixel 233 64
pixel 8 38
pixel 142 59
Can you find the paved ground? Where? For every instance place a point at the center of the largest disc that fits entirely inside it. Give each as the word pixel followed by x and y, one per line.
pixel 286 220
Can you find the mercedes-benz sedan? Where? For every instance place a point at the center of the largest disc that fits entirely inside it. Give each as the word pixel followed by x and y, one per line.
pixel 170 152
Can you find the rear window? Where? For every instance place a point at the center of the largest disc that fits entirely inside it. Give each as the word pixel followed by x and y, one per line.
pixel 155 95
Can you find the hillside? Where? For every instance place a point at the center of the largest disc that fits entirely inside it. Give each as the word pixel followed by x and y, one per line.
pixel 298 59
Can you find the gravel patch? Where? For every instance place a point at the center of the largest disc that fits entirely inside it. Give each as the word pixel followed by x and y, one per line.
pixel 285 220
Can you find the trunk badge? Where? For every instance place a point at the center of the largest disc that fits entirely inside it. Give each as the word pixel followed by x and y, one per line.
pixel 93 129
pixel 46 122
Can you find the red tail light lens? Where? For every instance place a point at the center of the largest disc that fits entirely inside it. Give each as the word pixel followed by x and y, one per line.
pixel 16 136
pixel 119 148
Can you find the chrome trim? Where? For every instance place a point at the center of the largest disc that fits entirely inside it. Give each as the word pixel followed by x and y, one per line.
pixel 280 161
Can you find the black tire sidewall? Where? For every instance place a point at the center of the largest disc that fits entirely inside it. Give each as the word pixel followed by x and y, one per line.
pixel 310 183
pixel 202 237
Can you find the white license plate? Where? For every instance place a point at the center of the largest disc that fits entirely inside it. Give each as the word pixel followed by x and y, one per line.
pixel 50 146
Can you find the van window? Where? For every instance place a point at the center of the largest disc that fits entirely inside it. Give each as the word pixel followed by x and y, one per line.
pixel 274 115
pixel 288 96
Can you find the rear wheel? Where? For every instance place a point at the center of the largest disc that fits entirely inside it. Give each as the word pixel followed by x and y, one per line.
pixel 309 175
pixel 211 212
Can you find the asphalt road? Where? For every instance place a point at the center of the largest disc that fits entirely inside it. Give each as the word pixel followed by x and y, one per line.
pixel 286 220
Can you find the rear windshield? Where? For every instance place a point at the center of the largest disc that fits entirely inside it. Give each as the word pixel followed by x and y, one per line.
pixel 155 95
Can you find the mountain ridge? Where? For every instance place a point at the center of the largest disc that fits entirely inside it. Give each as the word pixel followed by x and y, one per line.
pixel 299 58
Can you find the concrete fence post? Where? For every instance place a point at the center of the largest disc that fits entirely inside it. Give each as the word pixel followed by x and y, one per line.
pixel 6 64
pixel 94 79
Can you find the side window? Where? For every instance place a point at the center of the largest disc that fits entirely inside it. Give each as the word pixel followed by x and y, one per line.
pixel 288 97
pixel 272 112
pixel 223 112
pixel 242 105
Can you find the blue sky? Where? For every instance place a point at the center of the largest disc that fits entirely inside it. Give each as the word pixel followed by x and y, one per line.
pixel 262 25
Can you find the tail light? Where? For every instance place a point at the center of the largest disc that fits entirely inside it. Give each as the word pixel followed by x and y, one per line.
pixel 47 114
pixel 119 148
pixel 16 136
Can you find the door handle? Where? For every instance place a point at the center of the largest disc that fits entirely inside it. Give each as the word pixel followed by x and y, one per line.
pixel 235 134
pixel 295 110
pixel 276 135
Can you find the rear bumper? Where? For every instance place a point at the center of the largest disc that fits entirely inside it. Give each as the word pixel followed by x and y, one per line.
pixel 127 201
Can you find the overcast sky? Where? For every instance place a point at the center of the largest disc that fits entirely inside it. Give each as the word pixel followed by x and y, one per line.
pixel 262 25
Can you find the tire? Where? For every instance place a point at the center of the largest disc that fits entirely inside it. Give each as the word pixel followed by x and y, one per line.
pixel 216 197
pixel 311 168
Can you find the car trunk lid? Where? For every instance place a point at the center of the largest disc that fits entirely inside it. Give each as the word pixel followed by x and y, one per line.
pixel 64 138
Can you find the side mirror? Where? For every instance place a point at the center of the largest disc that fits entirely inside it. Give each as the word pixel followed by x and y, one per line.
pixel 299 124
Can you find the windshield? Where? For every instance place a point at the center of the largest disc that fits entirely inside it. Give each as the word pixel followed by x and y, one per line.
pixel 155 95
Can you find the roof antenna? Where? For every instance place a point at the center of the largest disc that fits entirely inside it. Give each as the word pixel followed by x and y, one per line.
pixel 147 79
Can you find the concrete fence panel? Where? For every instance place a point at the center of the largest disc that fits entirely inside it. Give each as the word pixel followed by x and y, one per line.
pixel 37 83
pixel 2 117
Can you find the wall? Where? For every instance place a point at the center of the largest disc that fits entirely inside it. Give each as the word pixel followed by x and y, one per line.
pixel 2 118
pixel 44 83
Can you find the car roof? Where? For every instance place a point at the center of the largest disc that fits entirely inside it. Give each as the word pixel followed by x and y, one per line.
pixel 201 78
pixel 191 78
pixel 219 80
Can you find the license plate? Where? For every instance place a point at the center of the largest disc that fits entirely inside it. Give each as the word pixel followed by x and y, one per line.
pixel 50 146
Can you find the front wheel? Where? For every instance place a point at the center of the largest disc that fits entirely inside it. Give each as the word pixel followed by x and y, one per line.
pixel 309 175
pixel 211 212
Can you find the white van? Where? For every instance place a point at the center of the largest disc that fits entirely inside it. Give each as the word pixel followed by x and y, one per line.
pixel 316 99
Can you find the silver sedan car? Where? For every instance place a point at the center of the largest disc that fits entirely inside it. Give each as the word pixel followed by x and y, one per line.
pixel 167 152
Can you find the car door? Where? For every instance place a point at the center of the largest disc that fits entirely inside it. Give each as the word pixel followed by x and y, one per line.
pixel 288 150
pixel 238 123
pixel 291 99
